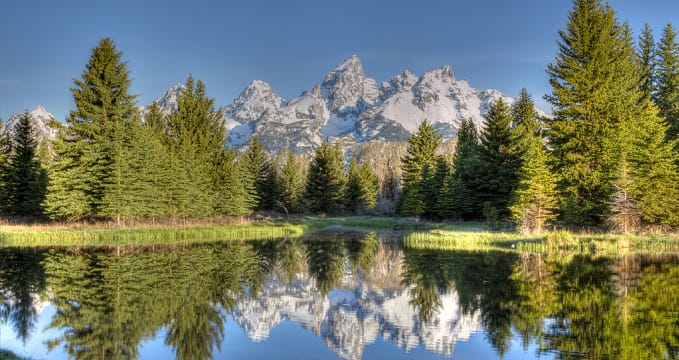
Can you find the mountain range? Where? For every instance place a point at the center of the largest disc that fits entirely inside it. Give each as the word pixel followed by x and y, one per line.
pixel 346 106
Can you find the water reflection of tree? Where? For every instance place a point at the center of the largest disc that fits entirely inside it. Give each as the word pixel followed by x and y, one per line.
pixel 597 307
pixel 481 282
pixel 327 256
pixel 107 304
pixel 22 282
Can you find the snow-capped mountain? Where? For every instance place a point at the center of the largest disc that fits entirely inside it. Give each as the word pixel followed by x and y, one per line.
pixel 40 118
pixel 351 107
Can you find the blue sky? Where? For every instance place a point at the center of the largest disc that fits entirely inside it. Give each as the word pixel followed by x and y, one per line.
pixel 290 44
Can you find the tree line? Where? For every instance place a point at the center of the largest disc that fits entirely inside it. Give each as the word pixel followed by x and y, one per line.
pixel 607 157
pixel 112 162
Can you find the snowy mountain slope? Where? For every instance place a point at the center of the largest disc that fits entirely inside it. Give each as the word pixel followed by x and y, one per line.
pixel 40 118
pixel 350 107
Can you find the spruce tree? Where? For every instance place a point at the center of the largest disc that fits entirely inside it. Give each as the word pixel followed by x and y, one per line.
pixel 25 179
pixel 325 183
pixel 498 165
pixel 653 168
pixel 92 141
pixel 362 187
pixel 5 150
pixel 525 124
pixel 236 190
pixel 291 185
pixel 197 140
pixel 466 165
pixel 421 155
pixel 534 201
pixel 595 92
pixel 667 95
pixel 258 164
pixel 647 64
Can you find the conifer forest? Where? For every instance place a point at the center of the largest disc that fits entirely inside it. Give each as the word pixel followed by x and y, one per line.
pixel 607 157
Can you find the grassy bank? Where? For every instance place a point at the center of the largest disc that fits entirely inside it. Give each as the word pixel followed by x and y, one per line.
pixel 473 237
pixel 44 236
pixel 417 234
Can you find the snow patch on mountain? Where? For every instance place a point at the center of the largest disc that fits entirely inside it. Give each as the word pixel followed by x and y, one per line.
pixel 40 119
pixel 351 107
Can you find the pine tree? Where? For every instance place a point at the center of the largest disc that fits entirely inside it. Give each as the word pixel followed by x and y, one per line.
pixel 466 165
pixel 421 155
pixel 324 191
pixel 236 190
pixel 5 150
pixel 89 145
pixel 197 139
pixel 498 165
pixel 25 180
pixel 291 185
pixel 653 168
pixel 525 125
pixel 647 63
pixel 534 200
pixel 362 187
pixel 667 95
pixel 258 164
pixel 595 93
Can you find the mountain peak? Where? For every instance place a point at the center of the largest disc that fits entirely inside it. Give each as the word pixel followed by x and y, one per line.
pixel 352 62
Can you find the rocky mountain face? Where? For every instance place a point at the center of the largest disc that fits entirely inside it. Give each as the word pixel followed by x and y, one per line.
pixel 41 119
pixel 346 107
pixel 349 107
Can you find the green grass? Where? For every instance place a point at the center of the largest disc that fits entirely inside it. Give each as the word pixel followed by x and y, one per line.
pixel 11 237
pixel 472 237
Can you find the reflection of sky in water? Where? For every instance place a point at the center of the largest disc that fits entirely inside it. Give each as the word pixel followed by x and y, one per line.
pixel 287 340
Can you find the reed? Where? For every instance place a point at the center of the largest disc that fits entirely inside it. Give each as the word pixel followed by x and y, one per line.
pixel 146 236
pixel 559 242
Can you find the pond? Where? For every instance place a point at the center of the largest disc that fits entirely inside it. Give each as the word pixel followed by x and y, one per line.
pixel 335 295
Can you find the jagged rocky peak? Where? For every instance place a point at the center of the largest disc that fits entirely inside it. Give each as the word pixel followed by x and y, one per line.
pixel 167 101
pixel 346 84
pixel 40 118
pixel 256 99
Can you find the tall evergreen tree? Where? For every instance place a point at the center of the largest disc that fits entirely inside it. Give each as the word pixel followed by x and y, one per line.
pixel 258 164
pixel 197 140
pixel 595 91
pixel 525 124
pixel 647 64
pixel 235 192
pixel 653 167
pixel 291 185
pixel 5 150
pixel 534 200
pixel 498 165
pixel 325 183
pixel 466 165
pixel 85 157
pixel 362 187
pixel 421 155
pixel 25 180
pixel 667 95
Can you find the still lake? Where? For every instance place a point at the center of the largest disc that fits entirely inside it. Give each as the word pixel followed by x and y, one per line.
pixel 335 295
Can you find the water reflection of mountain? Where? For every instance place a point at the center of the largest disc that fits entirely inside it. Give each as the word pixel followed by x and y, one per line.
pixel 365 304
pixel 354 315
pixel 351 290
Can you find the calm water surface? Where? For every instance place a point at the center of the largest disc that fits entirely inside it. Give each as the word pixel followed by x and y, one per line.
pixel 335 295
